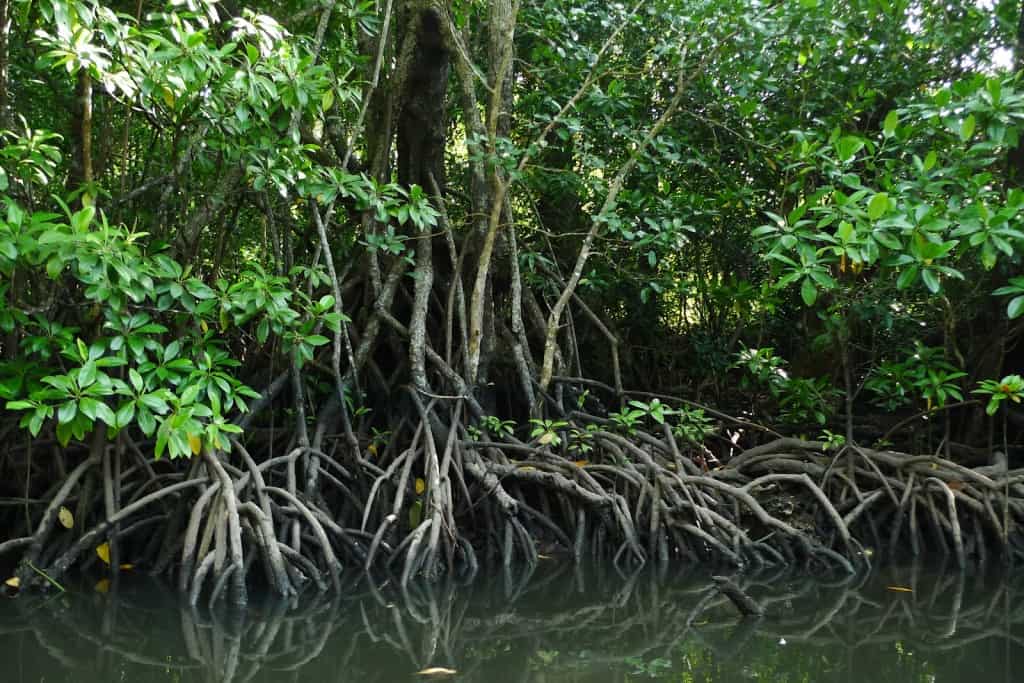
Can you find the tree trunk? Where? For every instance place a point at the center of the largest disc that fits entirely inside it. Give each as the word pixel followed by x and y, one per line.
pixel 5 30
pixel 421 122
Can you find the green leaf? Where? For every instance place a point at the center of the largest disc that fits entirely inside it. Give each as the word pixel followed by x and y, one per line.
pixel 125 414
pixel 808 291
pixel 967 128
pixel 136 380
pixel 886 240
pixel 892 120
pixel 104 413
pixel 87 375
pixel 35 424
pixel 1015 308
pixel 88 407
pixel 847 147
pixel 316 340
pixel 931 280
pixel 906 277
pixel 161 442
pixel 878 205
pixel 64 432
pixel 81 220
pixel 67 411
pixel 147 423
pixel 154 403
pixel 993 404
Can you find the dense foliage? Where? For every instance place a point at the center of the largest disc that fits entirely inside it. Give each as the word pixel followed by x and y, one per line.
pixel 361 258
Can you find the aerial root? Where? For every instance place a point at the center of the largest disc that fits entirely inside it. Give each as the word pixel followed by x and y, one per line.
pixel 455 498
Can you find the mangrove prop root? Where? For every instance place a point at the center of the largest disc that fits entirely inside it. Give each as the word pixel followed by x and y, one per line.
pixel 444 502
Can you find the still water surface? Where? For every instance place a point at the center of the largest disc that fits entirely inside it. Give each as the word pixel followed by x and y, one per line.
pixel 901 625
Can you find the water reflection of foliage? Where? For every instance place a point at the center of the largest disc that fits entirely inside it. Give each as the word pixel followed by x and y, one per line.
pixel 560 625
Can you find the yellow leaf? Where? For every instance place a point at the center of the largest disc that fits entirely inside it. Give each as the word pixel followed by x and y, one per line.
pixel 581 463
pixel 372 448
pixel 421 486
pixel 102 586
pixel 168 97
pixel 195 443
pixel 546 438
pixel 13 582
pixel 900 589
pixel 67 519
pixel 203 326
pixel 527 468
pixel 127 566
pixel 436 671
pixel 103 552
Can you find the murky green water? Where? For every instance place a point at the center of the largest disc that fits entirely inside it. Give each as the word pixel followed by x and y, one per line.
pixel 897 625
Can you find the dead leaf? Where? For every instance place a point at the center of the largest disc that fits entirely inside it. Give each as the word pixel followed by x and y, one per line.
pixel 955 485
pixel 436 671
pixel 103 552
pixel 900 589
pixel 102 586
pixel 67 519
pixel 13 582
pixel 127 566
pixel 581 463
pixel 421 486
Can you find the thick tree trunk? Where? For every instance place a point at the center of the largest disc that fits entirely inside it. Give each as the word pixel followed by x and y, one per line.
pixel 421 123
pixel 421 146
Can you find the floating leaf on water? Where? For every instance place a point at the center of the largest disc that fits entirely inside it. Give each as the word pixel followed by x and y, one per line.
pixel 67 519
pixel 900 589
pixel 421 486
pixel 102 586
pixel 436 671
pixel 13 582
pixel 103 552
